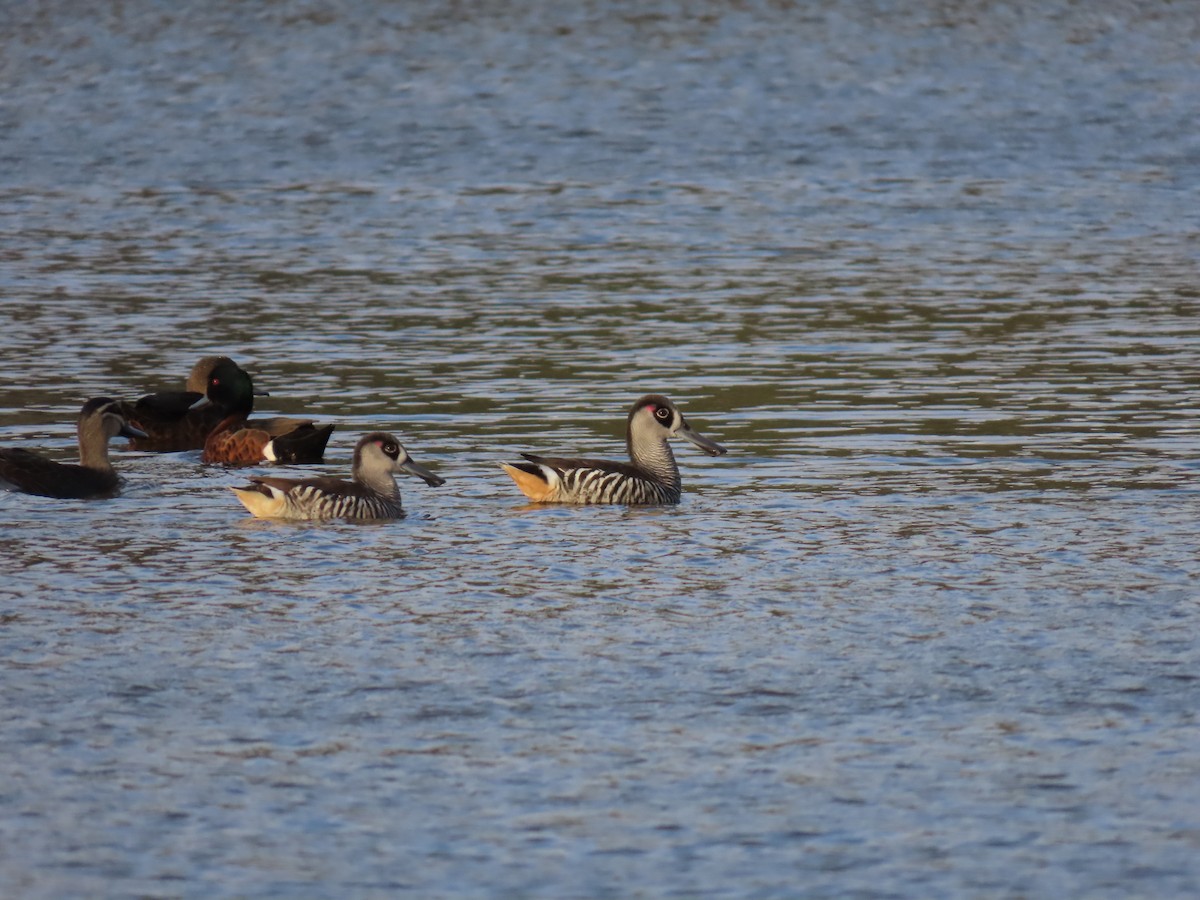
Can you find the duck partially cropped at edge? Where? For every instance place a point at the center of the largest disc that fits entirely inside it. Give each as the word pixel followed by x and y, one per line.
pixel 239 441
pixel 651 477
pixel 373 493
pixel 99 422
pixel 173 421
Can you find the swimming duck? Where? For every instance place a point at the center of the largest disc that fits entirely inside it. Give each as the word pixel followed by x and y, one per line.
pixel 236 440
pixel 372 494
pixel 651 476
pixel 99 421
pixel 168 417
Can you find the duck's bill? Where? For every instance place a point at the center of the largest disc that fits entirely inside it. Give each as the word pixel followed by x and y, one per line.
pixel 421 472
pixel 131 431
pixel 712 448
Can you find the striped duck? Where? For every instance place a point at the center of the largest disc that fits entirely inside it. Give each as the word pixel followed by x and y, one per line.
pixel 372 494
pixel 651 477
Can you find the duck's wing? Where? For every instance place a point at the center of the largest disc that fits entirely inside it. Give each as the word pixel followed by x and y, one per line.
pixel 166 404
pixel 562 464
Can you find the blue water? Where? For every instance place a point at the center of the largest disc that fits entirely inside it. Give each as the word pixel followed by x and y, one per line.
pixel 927 270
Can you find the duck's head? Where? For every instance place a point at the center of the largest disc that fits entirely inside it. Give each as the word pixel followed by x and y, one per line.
pixel 227 384
pixel 381 452
pixel 656 417
pixel 103 414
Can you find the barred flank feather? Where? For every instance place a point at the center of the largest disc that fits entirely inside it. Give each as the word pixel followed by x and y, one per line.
pixel 317 498
pixel 309 502
pixel 600 486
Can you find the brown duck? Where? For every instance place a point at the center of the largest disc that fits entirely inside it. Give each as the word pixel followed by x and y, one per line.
pixel 238 441
pixel 173 422
pixel 100 420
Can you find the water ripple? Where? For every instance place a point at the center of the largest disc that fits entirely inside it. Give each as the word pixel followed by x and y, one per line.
pixel 927 271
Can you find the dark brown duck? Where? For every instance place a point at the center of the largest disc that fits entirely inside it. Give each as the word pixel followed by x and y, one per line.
pixel 173 420
pixel 168 418
pixel 100 421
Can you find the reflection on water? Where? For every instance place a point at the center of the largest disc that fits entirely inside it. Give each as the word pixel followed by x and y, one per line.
pixel 925 631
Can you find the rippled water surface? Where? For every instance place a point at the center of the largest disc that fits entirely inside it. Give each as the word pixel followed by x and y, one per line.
pixel 928 270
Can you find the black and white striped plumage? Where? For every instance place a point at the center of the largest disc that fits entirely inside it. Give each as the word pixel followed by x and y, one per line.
pixel 372 494
pixel 650 478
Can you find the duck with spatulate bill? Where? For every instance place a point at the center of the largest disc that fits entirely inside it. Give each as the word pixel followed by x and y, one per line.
pixel 651 477
pixel 237 441
pixel 99 421
pixel 372 494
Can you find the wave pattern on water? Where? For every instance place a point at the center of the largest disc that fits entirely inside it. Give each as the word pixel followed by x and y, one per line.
pixel 926 269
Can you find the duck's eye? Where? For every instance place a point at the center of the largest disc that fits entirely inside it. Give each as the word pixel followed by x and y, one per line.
pixel 662 414
pixel 391 450
pixel 215 382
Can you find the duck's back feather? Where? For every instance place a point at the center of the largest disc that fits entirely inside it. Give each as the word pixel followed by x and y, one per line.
pixel 169 422
pixel 32 473
pixel 168 404
pixel 565 464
